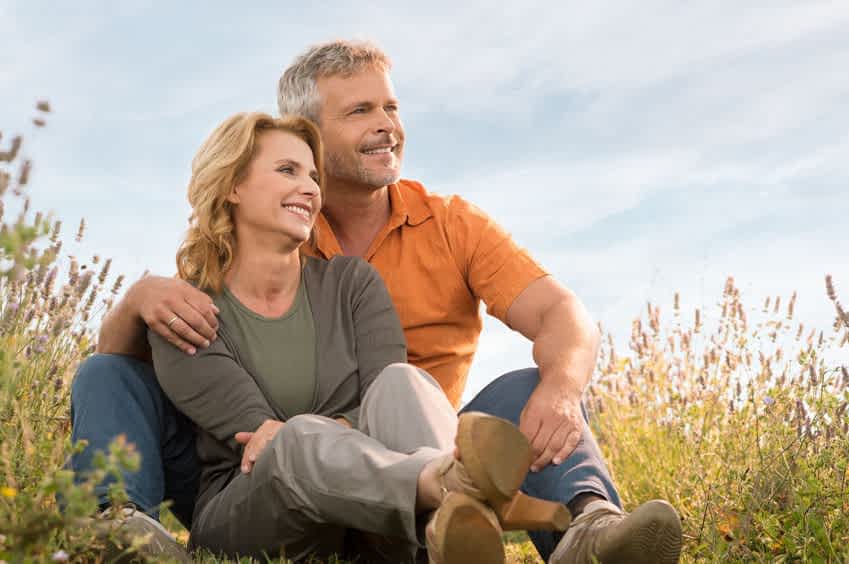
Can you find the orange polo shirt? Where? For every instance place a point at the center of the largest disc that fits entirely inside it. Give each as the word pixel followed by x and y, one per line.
pixel 439 257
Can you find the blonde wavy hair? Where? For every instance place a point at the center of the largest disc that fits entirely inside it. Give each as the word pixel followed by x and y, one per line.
pixel 220 164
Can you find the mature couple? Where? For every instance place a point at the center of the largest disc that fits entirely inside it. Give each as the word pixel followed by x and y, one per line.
pixel 280 415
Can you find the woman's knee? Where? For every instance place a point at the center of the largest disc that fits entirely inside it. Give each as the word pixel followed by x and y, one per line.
pixel 303 424
pixel 400 375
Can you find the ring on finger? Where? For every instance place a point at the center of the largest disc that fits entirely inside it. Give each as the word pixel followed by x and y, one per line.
pixel 172 320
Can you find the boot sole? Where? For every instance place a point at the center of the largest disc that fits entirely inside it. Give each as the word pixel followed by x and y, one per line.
pixel 651 535
pixel 497 457
pixel 464 533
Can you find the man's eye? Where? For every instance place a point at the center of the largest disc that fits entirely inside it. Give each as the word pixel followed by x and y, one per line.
pixel 358 111
pixel 392 108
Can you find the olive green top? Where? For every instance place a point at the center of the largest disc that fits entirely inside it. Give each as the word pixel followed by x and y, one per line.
pixel 281 349
pixel 357 334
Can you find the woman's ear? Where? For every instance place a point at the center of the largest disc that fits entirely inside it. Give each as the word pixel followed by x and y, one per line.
pixel 233 196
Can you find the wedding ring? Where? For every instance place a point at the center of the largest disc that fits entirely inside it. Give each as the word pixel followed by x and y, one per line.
pixel 172 320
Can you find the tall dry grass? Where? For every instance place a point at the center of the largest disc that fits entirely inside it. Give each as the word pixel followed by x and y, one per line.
pixel 741 425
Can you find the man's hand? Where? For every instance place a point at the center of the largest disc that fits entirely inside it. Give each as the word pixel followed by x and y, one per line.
pixel 552 421
pixel 256 441
pixel 565 348
pixel 179 312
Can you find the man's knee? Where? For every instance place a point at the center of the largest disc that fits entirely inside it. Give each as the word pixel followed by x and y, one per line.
pixel 111 377
pixel 507 395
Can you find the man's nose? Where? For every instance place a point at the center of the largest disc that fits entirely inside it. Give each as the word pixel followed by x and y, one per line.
pixel 385 123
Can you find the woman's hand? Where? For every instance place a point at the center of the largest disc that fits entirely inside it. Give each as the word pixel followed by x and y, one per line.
pixel 255 442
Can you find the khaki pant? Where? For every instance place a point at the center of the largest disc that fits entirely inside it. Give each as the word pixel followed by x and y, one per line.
pixel 317 479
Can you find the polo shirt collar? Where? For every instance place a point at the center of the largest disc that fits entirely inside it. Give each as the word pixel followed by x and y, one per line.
pixel 409 208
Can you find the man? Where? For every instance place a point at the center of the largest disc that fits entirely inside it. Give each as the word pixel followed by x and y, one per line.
pixel 439 257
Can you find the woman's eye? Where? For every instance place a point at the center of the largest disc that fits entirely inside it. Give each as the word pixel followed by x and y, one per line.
pixel 285 169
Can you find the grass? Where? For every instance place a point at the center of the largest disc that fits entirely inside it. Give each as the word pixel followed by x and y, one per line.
pixel 737 414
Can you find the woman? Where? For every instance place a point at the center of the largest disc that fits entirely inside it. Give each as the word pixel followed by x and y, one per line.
pixel 309 372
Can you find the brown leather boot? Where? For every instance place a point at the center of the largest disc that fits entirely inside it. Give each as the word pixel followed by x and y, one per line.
pixel 464 530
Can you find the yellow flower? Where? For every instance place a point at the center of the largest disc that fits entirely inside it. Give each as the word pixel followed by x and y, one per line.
pixel 8 492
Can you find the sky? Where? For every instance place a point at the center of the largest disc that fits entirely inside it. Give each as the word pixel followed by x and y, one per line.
pixel 635 148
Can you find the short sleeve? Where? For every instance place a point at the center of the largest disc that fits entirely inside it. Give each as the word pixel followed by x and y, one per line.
pixel 496 269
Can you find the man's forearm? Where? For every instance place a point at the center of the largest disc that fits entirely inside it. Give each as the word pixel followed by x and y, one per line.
pixel 123 331
pixel 566 347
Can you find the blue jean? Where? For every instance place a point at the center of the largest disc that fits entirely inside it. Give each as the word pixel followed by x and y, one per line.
pixel 114 394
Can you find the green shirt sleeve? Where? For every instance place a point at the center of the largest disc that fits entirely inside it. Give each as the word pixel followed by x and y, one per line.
pixel 210 388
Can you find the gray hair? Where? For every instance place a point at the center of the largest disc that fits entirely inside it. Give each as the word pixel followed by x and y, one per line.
pixel 297 92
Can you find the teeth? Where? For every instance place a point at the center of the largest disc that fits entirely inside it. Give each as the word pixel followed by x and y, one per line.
pixel 378 151
pixel 298 210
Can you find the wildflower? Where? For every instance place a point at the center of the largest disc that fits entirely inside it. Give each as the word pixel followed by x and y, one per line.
pixel 101 278
pixel 81 230
pixel 54 234
pixel 8 492
pixel 40 344
pixel 117 286
pixel 768 401
pixel 23 176
pixel 60 556
pixel 829 288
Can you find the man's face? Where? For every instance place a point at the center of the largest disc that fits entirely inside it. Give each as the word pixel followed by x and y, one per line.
pixel 362 131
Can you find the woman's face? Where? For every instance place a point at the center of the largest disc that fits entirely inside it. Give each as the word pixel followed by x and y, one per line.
pixel 279 195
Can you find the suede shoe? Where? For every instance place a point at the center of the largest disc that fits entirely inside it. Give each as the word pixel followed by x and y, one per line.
pixel 126 526
pixel 604 533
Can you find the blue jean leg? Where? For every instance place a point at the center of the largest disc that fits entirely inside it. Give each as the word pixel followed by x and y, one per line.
pixel 584 470
pixel 112 395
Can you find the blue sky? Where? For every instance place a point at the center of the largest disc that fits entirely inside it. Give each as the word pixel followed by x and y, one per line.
pixel 635 148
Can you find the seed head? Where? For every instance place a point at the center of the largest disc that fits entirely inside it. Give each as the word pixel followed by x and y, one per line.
pixel 829 288
pixel 80 230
